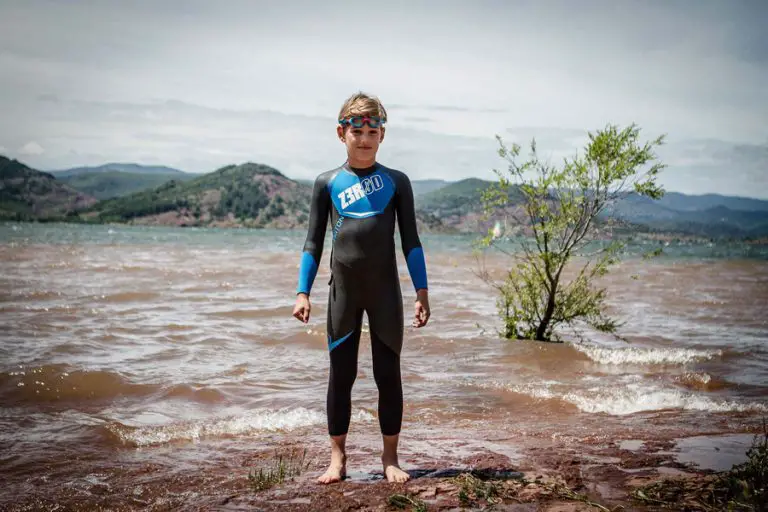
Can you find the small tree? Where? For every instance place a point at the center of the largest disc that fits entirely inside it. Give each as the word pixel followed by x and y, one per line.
pixel 561 212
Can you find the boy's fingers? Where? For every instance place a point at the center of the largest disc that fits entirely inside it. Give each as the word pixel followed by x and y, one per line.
pixel 301 314
pixel 419 316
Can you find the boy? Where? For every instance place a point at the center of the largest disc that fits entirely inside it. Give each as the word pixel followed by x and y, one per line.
pixel 363 199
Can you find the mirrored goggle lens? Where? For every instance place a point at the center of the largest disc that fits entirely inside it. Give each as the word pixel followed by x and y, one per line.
pixel 358 121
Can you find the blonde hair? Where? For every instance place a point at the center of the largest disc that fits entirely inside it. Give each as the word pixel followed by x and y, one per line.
pixel 361 104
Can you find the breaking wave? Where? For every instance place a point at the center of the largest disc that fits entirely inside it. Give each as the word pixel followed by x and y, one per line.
pixel 638 355
pixel 252 423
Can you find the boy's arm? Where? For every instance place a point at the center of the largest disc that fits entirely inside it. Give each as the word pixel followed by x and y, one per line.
pixel 409 236
pixel 319 210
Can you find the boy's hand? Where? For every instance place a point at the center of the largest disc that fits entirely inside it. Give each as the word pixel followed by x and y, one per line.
pixel 302 308
pixel 421 308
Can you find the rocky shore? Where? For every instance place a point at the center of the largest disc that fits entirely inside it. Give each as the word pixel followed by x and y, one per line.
pixel 543 475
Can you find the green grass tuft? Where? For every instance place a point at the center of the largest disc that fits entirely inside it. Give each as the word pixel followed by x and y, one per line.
pixel 402 501
pixel 284 466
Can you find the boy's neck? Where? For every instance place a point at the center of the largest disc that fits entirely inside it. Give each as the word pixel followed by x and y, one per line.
pixel 361 164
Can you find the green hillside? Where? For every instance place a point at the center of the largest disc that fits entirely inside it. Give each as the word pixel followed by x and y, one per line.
pixel 255 195
pixel 252 195
pixel 27 194
pixel 108 184
pixel 421 187
pixel 684 202
pixel 458 198
pixel 704 220
pixel 118 167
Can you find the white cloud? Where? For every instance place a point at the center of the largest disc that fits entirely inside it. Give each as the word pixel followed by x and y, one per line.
pixel 31 148
pixel 203 86
pixel 195 138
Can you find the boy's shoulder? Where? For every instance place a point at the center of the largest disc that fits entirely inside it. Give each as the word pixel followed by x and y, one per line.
pixel 324 178
pixel 396 174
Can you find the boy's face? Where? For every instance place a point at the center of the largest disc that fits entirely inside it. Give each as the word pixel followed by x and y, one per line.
pixel 362 143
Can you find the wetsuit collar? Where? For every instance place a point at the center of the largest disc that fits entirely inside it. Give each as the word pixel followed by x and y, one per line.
pixel 361 171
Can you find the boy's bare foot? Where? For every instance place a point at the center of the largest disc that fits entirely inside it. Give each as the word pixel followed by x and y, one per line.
pixel 336 472
pixel 393 472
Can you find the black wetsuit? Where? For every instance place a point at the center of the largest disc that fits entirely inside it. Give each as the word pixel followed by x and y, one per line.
pixel 363 205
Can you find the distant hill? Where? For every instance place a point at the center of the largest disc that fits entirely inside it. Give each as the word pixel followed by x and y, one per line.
pixel 106 184
pixel 684 202
pixel 460 197
pixel 118 167
pixel 247 195
pixel 458 207
pixel 421 187
pixel 256 195
pixel 457 198
pixel 714 221
pixel 28 194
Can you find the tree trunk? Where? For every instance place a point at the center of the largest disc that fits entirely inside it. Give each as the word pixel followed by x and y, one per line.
pixel 542 329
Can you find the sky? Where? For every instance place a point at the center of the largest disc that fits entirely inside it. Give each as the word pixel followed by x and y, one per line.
pixel 197 85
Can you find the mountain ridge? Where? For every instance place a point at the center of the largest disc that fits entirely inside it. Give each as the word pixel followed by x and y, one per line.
pixel 28 194
pixel 257 195
pixel 118 167
pixel 236 195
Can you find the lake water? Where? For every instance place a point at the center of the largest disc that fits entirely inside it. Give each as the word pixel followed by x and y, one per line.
pixel 126 348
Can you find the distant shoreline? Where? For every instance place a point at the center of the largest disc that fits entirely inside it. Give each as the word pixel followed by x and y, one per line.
pixel 661 237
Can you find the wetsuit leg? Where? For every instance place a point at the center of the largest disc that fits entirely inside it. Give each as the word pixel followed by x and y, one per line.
pixel 384 306
pixel 345 315
pixel 386 372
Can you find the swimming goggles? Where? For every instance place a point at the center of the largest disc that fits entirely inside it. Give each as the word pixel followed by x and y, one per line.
pixel 359 121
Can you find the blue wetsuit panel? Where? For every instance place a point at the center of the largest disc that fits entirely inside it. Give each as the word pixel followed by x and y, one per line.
pixel 358 197
pixel 307 273
pixel 417 268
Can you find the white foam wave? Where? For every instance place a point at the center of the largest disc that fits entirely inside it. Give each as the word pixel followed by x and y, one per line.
pixel 538 390
pixel 251 423
pixel 701 377
pixel 628 394
pixel 638 355
pixel 633 398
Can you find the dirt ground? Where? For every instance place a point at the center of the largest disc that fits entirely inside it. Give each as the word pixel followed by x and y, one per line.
pixel 552 476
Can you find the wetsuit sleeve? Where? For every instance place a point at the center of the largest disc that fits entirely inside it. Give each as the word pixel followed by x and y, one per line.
pixel 319 210
pixel 409 236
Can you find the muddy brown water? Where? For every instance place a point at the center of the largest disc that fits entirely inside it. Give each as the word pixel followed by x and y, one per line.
pixel 133 355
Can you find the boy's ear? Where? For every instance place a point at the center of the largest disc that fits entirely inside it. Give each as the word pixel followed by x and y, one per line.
pixel 381 137
pixel 340 132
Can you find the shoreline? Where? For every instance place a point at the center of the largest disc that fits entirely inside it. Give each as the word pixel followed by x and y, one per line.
pixel 660 237
pixel 556 475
